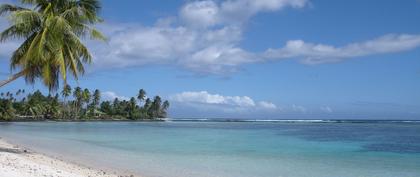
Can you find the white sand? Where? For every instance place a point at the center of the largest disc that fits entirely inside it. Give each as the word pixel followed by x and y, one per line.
pixel 18 162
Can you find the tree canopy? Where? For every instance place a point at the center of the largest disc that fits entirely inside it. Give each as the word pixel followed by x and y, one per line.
pixel 82 105
pixel 51 32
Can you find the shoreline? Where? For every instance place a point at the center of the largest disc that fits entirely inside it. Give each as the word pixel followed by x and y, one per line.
pixel 19 161
pixel 82 120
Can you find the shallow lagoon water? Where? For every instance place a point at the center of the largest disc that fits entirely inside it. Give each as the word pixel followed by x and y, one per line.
pixel 225 149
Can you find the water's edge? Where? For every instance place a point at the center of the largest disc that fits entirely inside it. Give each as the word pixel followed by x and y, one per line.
pixel 65 158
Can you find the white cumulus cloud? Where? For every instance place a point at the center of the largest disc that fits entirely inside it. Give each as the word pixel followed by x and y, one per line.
pixel 203 38
pixel 203 98
pixel 321 53
pixel 207 13
pixel 110 96
pixel 298 108
pixel 200 13
pixel 267 105
pixel 326 109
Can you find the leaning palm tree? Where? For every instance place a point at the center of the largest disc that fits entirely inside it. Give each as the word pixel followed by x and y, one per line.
pixel 51 31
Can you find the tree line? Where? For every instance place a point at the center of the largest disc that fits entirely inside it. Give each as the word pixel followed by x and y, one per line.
pixel 78 104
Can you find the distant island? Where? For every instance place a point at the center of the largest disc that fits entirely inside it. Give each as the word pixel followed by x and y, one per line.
pixel 78 105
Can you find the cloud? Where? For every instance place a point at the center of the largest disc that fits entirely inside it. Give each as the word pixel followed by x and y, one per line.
pixel 267 105
pixel 326 109
pixel 110 96
pixel 242 10
pixel 203 97
pixel 208 13
pixel 227 103
pixel 207 51
pixel 322 53
pixel 298 108
pixel 200 13
pixel 203 38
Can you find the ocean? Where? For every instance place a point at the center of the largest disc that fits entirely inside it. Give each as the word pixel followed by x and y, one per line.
pixel 231 148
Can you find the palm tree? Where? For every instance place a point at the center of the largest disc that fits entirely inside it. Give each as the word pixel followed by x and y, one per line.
pixel 66 93
pixel 7 112
pixel 51 32
pixel 116 106
pixel 165 107
pixel 96 97
pixel 77 93
pixel 35 105
pixel 147 104
pixel 86 98
pixel 155 107
pixel 142 95
pixel 52 107
pixel 132 108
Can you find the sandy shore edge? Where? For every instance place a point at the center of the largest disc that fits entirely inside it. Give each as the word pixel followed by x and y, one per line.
pixel 16 161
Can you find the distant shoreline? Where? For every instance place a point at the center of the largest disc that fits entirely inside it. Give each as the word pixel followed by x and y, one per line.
pixel 225 120
pixel 85 120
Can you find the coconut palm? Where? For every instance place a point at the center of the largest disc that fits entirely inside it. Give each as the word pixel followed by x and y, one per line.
pixel 36 105
pixel 51 32
pixel 86 96
pixel 77 94
pixel 155 108
pixel 142 95
pixel 165 107
pixel 96 97
pixel 7 112
pixel 65 93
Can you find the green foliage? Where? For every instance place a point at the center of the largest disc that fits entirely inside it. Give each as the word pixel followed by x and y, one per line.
pixel 84 105
pixel 7 112
pixel 51 32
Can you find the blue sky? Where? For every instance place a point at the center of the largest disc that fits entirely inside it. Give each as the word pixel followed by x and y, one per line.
pixel 259 59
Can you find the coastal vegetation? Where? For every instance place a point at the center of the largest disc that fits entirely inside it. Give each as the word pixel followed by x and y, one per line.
pixel 78 104
pixel 52 33
pixel 52 50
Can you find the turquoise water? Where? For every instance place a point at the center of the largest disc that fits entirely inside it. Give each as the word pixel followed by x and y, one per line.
pixel 230 149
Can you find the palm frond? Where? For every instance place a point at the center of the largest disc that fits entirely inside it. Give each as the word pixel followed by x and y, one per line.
pixel 52 33
pixel 8 8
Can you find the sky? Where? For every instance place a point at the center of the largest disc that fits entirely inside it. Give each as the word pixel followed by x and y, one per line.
pixel 265 59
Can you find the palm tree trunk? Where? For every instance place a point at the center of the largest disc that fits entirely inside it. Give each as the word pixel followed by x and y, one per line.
pixel 11 78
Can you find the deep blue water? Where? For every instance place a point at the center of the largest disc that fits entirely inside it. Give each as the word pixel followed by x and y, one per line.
pixel 249 149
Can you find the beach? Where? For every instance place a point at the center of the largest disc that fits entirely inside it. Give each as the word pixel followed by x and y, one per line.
pixel 16 161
